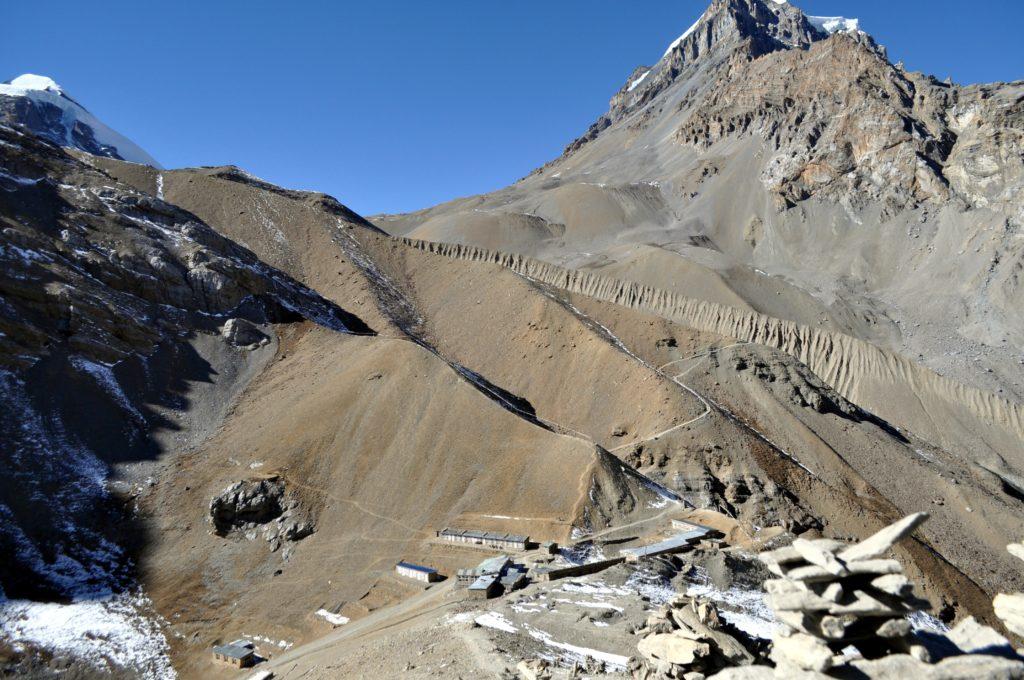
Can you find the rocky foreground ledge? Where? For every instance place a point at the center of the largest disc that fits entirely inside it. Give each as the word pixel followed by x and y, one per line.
pixel 844 611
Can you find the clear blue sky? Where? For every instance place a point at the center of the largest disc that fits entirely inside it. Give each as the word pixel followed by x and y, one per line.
pixel 394 105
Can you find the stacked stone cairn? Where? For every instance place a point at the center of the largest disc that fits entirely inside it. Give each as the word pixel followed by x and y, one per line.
pixel 832 595
pixel 686 640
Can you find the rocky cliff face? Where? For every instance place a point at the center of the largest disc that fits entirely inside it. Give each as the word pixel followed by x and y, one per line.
pixel 127 326
pixel 834 117
pixel 99 270
pixel 727 30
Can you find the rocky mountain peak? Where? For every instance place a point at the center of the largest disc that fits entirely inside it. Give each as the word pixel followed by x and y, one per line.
pixel 42 106
pixel 727 30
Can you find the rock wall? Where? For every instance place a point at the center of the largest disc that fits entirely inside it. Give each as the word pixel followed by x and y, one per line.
pixel 977 424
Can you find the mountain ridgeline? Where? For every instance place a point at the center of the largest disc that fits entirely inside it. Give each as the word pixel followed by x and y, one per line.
pixel 776 285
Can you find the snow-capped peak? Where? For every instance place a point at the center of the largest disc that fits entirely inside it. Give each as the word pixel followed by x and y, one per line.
pixel 71 126
pixel 832 25
pixel 30 81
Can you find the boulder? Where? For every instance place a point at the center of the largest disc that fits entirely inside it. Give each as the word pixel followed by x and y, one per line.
pixel 671 648
pixel 1010 610
pixel 533 669
pixel 882 541
pixel 972 637
pixel 803 651
pixel 904 667
pixel 243 334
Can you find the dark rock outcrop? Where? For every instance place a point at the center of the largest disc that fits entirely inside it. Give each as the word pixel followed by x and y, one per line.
pixel 246 504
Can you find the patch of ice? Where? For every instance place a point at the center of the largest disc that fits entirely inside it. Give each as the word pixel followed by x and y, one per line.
pixel 590 605
pixel 585 553
pixel 18 179
pixel 26 255
pixel 578 533
pixel 654 587
pixel 588 588
pixel 331 618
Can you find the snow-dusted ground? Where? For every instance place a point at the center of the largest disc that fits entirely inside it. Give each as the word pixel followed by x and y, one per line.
pixel 104 623
pixel 570 652
pixel 744 608
pixel 118 630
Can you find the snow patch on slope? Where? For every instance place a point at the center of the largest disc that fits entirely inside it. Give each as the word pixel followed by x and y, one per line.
pixel 686 34
pixel 643 76
pixel 43 90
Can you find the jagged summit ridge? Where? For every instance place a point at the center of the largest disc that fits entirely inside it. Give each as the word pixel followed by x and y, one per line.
pixel 727 30
pixel 40 104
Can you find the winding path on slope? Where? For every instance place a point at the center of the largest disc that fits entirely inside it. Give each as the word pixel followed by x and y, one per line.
pixel 675 379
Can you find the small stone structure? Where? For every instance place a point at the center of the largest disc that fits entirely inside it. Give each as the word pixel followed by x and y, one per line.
pixel 678 543
pixel 417 572
pixel 239 654
pixel 492 577
pixel 486 587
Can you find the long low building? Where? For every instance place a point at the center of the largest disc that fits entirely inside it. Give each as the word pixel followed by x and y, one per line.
pixel 490 539
pixel 417 571
pixel 677 543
